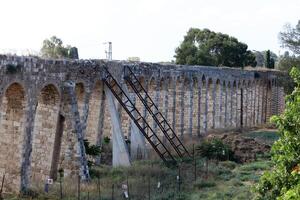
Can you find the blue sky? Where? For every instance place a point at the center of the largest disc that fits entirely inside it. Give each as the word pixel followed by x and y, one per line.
pixel 149 29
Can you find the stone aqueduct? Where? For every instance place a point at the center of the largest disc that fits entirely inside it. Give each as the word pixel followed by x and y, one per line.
pixel 39 119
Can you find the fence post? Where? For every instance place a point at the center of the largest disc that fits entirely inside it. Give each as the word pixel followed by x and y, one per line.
pixel 195 164
pixel 78 188
pixel 112 192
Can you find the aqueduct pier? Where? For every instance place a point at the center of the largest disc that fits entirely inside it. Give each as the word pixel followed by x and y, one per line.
pixel 45 104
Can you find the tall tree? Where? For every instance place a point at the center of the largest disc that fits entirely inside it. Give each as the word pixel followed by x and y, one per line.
pixel 54 48
pixel 290 38
pixel 269 61
pixel 205 47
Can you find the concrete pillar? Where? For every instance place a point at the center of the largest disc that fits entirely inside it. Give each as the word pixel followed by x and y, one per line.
pixel 120 150
pixel 77 128
pixel 27 144
pixel 100 123
pixel 85 112
pixel 137 140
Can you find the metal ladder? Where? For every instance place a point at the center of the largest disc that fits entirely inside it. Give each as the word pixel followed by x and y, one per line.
pixel 157 116
pixel 138 119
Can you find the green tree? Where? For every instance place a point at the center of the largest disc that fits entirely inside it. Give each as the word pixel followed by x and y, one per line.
pixel 205 47
pixel 54 48
pixel 290 38
pixel 269 61
pixel 283 182
pixel 286 61
pixel 213 149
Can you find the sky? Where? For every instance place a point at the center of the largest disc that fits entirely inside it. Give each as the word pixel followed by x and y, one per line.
pixel 148 29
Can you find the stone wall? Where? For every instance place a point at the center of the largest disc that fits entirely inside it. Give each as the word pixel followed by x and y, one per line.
pixel 43 118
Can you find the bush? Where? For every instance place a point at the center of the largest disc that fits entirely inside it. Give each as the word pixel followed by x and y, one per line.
pixel 204 184
pixel 282 182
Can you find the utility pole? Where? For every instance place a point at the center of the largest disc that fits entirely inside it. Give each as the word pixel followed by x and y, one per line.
pixel 109 51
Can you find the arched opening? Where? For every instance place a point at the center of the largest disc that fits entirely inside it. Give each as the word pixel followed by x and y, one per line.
pixel 11 135
pixel 95 108
pixel 210 104
pixel 228 105
pixel 217 109
pixel 44 134
pixel 195 108
pixel 203 111
pixel 234 104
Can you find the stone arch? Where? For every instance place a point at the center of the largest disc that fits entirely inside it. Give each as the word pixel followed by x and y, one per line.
pixel 44 133
pixel 210 103
pixel 223 93
pixel 179 94
pixel 186 103
pixel 234 104
pixel 11 134
pixel 217 104
pixel 195 107
pixel 228 107
pixel 95 108
pixel 203 107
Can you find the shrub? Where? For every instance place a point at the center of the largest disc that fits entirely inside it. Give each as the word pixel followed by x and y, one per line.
pixel 283 181
pixel 204 184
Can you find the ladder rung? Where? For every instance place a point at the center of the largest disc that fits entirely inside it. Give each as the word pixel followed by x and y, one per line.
pixel 157 144
pixel 151 136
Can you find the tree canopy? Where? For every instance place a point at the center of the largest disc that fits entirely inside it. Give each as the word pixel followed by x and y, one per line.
pixel 290 38
pixel 54 48
pixel 283 182
pixel 205 47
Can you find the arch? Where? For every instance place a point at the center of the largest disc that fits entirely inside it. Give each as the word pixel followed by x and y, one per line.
pixel 203 106
pixel 93 120
pixel 217 104
pixel 44 133
pixel 11 134
pixel 210 103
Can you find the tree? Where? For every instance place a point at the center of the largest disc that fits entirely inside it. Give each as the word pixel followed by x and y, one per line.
pixel 290 38
pixel 269 61
pixel 283 182
pixel 205 47
pixel 213 149
pixel 53 48
pixel 286 62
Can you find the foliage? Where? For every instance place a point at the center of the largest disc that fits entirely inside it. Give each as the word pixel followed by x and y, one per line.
pixel 54 48
pixel 214 149
pixel 290 38
pixel 91 151
pixel 269 62
pixel 205 47
pixel 260 57
pixel 286 62
pixel 12 69
pixel 283 181
pixel 106 140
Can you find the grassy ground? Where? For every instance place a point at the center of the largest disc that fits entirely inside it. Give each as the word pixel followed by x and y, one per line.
pixel 222 180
